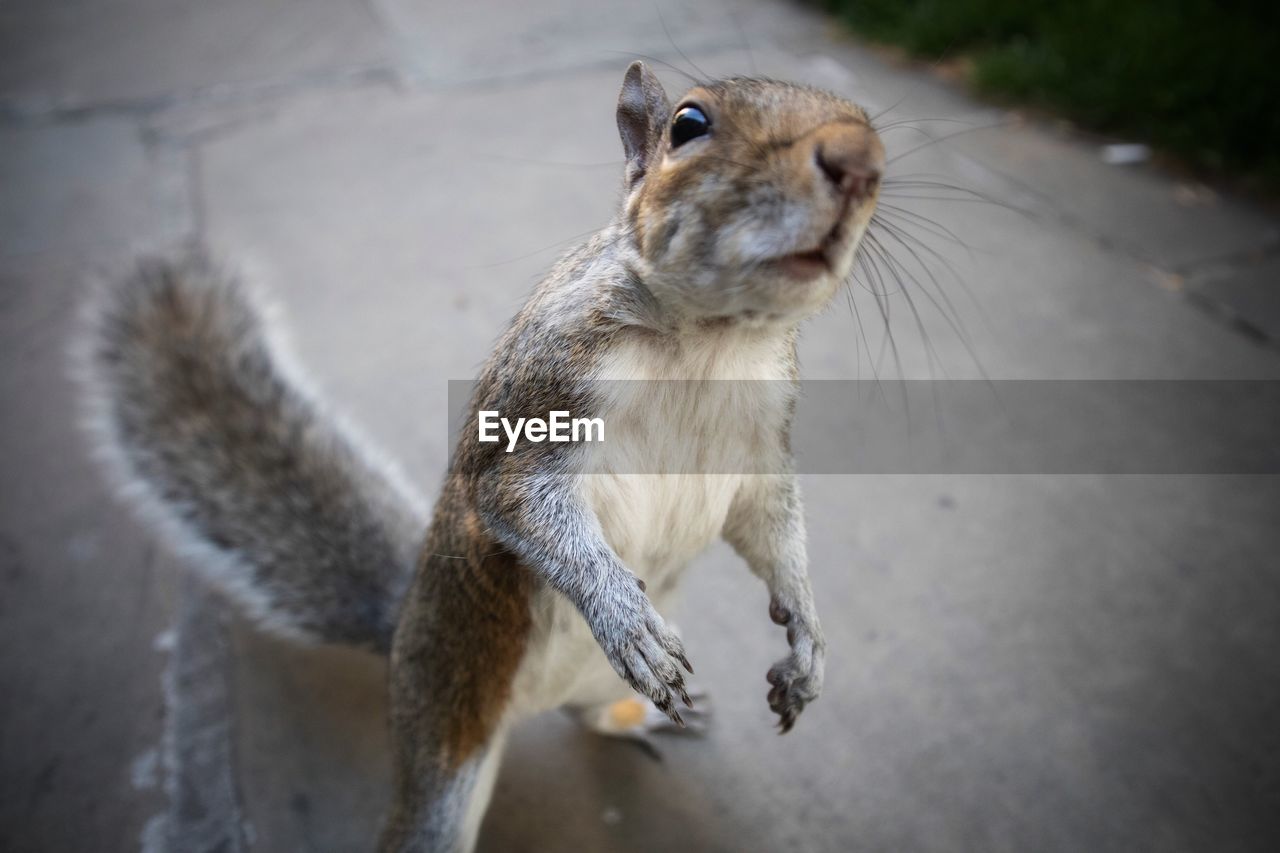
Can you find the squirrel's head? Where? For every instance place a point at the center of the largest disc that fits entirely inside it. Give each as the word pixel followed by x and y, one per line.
pixel 749 197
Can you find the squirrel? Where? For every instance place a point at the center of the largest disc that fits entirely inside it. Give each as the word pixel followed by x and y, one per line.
pixel 542 574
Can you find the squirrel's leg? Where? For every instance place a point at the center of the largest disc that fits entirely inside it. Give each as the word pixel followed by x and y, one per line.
pixel 766 527
pixel 543 519
pixel 453 661
pixel 441 809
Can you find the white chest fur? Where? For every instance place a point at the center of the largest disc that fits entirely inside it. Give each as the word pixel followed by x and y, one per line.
pixel 681 420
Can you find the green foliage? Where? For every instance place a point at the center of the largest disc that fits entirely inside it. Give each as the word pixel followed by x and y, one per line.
pixel 1195 77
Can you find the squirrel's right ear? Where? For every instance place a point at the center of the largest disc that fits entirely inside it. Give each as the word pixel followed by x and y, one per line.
pixel 643 111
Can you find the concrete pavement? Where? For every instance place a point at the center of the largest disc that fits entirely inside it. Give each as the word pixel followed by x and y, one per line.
pixel 1017 663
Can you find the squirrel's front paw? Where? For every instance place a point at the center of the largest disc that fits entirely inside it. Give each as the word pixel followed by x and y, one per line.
pixel 643 650
pixel 797 678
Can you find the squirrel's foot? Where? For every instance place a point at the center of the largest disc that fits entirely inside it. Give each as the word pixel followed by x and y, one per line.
pixel 637 719
pixel 796 680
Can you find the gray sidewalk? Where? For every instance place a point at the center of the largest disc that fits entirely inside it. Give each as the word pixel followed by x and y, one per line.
pixel 1016 663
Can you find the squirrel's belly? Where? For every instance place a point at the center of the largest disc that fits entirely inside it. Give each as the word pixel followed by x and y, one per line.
pixel 657 523
pixel 666 425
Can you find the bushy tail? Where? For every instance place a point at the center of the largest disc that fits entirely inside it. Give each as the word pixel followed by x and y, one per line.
pixel 270 496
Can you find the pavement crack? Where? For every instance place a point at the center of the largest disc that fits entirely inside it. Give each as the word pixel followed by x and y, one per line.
pixel 1231 262
pixel 28 111
pixel 1227 315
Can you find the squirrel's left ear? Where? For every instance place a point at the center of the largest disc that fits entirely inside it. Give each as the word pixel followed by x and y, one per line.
pixel 643 112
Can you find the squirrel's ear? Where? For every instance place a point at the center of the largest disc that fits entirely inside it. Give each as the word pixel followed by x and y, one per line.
pixel 643 111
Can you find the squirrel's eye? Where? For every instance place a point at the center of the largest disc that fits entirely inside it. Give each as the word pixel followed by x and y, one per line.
pixel 689 123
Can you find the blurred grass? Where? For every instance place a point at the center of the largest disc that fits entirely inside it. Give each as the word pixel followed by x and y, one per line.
pixel 1196 78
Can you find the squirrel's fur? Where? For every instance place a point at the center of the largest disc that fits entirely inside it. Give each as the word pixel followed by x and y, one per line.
pixel 535 561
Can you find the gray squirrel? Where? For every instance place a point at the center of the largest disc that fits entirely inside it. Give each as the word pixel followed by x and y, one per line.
pixel 542 575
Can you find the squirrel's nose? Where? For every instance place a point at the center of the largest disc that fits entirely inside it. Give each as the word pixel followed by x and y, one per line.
pixel 852 159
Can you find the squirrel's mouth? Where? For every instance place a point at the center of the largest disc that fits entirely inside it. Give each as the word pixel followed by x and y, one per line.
pixel 811 263
pixel 804 265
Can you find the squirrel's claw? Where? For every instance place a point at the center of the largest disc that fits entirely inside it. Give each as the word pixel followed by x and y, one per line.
pixel 796 679
pixel 648 654
pixel 790 693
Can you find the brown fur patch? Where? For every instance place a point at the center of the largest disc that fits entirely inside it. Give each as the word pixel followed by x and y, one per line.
pixel 461 639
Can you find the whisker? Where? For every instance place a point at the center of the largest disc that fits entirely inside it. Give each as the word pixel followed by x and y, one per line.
pixel 630 53
pixel 685 56
pixel 902 237
pixel 888 339
pixel 936 140
pixel 932 67
pixel 916 181
pixel 926 120
pixel 890 189
pixel 862 334
pixel 967 197
pixel 931 352
pixel 857 315
pixel 953 318
pixel 882 303
pixel 929 226
pixel 900 233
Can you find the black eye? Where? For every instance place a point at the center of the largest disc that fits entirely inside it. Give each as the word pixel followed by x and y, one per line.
pixel 689 123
